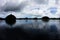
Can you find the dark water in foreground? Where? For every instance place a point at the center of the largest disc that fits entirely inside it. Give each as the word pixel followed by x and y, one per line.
pixel 31 30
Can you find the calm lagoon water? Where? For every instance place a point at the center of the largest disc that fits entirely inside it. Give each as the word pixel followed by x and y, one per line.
pixel 33 23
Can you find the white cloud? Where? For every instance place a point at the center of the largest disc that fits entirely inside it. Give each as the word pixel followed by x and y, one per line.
pixel 29 7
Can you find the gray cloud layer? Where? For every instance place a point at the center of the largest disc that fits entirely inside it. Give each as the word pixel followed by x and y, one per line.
pixel 41 1
pixel 12 7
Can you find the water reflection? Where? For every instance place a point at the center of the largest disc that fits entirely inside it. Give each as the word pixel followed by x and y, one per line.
pixel 53 28
pixel 34 23
pixel 49 29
